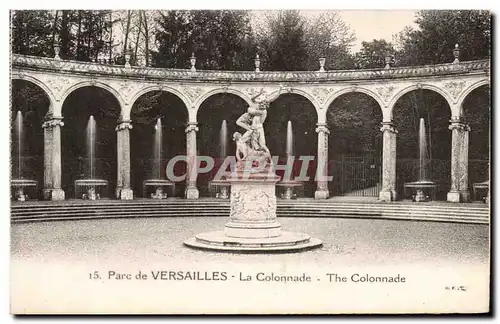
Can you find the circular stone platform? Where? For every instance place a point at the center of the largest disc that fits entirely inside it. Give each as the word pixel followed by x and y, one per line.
pixel 286 242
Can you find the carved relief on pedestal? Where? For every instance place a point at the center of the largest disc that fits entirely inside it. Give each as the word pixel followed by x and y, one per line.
pixel 253 202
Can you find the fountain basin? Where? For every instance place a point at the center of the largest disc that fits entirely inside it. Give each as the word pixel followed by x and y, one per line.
pixel 222 188
pixel 252 224
pixel 423 190
pixel 289 186
pixel 18 186
pixel 158 184
pixel 479 187
pixel 86 188
pixel 22 183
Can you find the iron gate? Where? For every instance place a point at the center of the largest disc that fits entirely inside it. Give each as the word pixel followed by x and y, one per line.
pixel 355 175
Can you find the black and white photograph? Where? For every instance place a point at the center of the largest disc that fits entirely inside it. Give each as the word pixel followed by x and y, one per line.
pixel 248 162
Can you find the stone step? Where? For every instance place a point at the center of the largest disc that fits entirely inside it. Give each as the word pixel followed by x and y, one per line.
pixel 173 207
pixel 20 207
pixel 225 211
pixel 409 215
pixel 474 220
pixel 290 208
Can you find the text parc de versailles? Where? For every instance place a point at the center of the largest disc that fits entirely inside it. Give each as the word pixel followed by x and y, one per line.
pixel 260 276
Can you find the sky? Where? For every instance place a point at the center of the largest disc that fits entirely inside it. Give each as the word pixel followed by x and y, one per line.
pixel 377 24
pixel 367 24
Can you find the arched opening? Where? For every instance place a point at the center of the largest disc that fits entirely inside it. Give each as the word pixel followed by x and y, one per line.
pixel 213 136
pixel 29 106
pixel 435 137
pixel 88 141
pixel 354 145
pixel 153 109
pixel 476 110
pixel 303 117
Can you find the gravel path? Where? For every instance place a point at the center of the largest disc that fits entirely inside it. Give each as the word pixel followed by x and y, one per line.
pixel 51 263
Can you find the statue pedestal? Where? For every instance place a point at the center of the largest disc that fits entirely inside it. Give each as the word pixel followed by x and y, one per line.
pixel 253 207
pixel 253 225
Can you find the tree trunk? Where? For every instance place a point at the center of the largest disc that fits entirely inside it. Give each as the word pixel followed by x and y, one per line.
pixel 138 38
pixel 54 27
pixel 101 35
pixel 110 36
pixel 146 38
pixel 90 31
pixel 79 37
pixel 65 50
pixel 127 31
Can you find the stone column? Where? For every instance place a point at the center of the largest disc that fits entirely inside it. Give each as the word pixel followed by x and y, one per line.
pixel 123 190
pixel 388 192
pixel 191 190
pixel 459 191
pixel 52 158
pixel 322 166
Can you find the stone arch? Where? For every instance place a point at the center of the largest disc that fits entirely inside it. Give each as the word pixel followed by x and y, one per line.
pixel 471 88
pixel 40 84
pixel 94 83
pixel 146 162
pixel 353 116
pixel 212 92
pixel 358 89
pixel 306 95
pixel 295 106
pixel 402 92
pixel 151 88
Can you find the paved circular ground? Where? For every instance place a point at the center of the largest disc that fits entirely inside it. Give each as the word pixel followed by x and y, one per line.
pixel 52 262
pixel 350 240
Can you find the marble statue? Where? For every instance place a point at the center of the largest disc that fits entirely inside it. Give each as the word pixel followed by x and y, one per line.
pixel 253 223
pixel 251 145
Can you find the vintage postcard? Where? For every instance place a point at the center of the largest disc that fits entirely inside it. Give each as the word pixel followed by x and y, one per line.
pixel 250 162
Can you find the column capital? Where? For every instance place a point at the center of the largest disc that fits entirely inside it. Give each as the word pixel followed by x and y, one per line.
pixel 459 124
pixel 389 127
pixel 123 124
pixel 323 128
pixel 192 126
pixel 51 121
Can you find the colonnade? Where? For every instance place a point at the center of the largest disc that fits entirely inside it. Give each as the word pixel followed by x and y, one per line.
pixel 459 191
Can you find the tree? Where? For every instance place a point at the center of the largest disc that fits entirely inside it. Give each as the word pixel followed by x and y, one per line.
pixel 439 31
pixel 218 38
pixel 328 36
pixel 31 32
pixel 372 54
pixel 173 40
pixel 283 41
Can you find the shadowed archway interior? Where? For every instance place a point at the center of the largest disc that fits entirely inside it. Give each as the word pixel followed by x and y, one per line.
pixel 212 112
pixel 355 145
pixel 477 111
pixel 146 111
pixel 302 114
pixel 435 111
pixel 27 158
pixel 77 109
